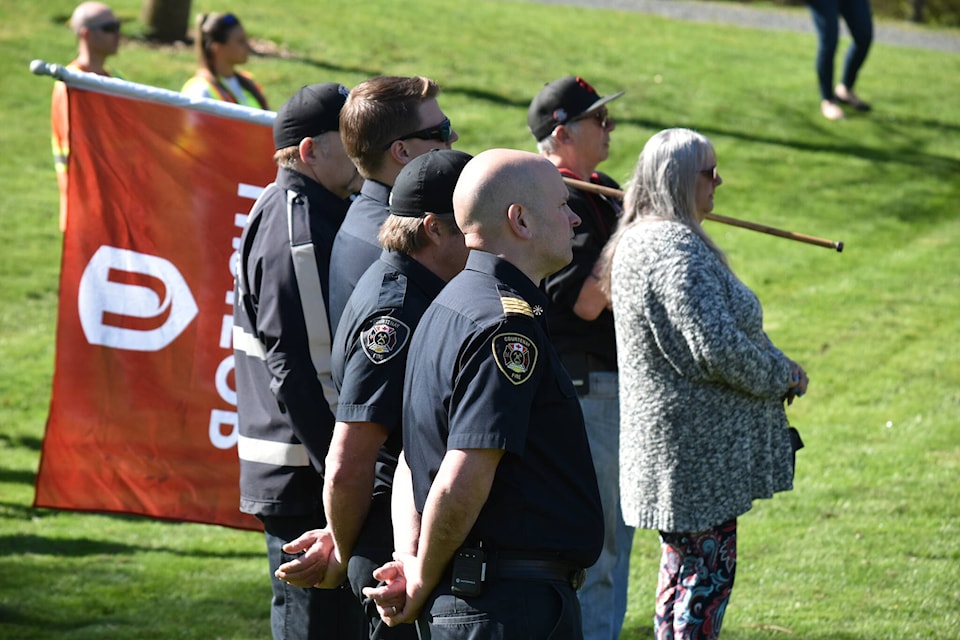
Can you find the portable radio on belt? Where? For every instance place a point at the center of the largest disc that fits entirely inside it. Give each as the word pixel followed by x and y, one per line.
pixel 469 571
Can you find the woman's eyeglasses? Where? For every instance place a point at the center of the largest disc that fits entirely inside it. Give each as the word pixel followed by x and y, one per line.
pixel 712 173
pixel 441 132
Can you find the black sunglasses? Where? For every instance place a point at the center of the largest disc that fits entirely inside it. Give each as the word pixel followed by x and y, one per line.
pixel 441 132
pixel 108 27
pixel 600 115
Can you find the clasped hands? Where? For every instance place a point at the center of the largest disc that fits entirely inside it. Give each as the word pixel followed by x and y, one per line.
pixel 320 565
pixel 398 598
pixel 401 593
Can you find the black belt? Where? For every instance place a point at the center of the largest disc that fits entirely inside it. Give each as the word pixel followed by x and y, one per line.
pixel 533 569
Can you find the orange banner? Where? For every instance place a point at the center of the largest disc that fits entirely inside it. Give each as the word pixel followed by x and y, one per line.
pixel 143 413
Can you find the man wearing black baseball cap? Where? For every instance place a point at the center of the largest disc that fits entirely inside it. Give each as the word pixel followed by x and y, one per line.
pixel 572 127
pixel 422 249
pixel 281 340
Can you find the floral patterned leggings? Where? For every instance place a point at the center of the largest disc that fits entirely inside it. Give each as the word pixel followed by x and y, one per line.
pixel 696 578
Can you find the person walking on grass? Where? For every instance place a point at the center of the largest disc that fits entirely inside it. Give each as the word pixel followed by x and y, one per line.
pixel 826 18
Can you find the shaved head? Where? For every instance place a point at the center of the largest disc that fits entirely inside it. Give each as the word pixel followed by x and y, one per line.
pixel 514 204
pixel 493 181
pixel 90 14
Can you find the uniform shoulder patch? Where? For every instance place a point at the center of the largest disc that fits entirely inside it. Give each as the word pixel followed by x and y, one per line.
pixel 514 304
pixel 384 338
pixel 516 356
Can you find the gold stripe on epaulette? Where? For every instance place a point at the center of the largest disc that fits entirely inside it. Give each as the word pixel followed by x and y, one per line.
pixel 516 305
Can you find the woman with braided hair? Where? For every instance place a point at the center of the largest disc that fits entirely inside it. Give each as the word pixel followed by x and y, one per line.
pixel 221 46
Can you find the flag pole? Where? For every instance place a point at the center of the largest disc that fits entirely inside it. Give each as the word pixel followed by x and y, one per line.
pixel 127 89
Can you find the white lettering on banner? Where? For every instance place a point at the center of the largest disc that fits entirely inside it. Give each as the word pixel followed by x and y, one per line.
pixel 218 417
pixel 119 286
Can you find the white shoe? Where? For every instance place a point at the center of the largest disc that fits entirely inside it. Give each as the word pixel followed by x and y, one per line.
pixel 831 110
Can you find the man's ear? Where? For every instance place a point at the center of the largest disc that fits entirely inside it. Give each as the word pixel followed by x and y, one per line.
pixel 562 134
pixel 399 152
pixel 308 151
pixel 517 216
pixel 432 227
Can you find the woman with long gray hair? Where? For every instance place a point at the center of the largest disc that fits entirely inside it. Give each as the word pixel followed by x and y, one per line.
pixel 703 430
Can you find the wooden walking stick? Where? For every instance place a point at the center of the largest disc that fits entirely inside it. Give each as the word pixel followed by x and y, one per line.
pixel 753 226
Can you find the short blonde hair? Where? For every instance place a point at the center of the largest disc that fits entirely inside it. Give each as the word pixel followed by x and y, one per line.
pixel 405 234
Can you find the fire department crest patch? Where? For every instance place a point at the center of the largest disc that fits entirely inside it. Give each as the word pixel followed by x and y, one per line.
pixel 384 338
pixel 516 356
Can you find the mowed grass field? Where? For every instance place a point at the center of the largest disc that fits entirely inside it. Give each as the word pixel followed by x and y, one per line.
pixel 868 543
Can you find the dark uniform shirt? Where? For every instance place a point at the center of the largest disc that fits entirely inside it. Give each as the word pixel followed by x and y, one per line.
pixel 356 246
pixel 283 406
pixel 584 345
pixel 371 345
pixel 482 374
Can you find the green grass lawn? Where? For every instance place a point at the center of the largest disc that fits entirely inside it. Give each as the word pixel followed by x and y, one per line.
pixel 868 543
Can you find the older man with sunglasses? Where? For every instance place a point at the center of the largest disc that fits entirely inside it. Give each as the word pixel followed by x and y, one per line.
pixel 98 37
pixel 386 122
pixel 570 123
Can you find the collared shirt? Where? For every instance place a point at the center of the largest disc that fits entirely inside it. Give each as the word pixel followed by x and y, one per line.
pixel 584 345
pixel 356 246
pixel 371 346
pixel 482 374
pixel 285 420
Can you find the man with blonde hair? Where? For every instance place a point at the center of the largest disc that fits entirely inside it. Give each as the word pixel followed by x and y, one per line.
pixel 98 37
pixel 387 122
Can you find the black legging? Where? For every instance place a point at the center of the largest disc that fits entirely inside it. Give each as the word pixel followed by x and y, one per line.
pixel 826 18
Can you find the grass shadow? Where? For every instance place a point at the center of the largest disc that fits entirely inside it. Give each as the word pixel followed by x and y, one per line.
pixel 20 544
pixel 18 477
pixel 16 624
pixel 27 442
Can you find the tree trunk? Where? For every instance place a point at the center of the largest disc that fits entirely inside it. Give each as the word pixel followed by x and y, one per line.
pixel 166 20
pixel 917 10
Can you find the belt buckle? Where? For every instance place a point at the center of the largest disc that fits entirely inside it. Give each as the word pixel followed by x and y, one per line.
pixel 577 578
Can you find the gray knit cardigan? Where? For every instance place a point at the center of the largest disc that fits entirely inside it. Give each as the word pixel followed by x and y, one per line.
pixel 703 431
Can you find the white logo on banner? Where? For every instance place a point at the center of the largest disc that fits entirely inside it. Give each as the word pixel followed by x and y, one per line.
pixel 159 303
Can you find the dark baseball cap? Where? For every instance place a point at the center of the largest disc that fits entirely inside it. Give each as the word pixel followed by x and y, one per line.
pixel 312 110
pixel 425 185
pixel 561 101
